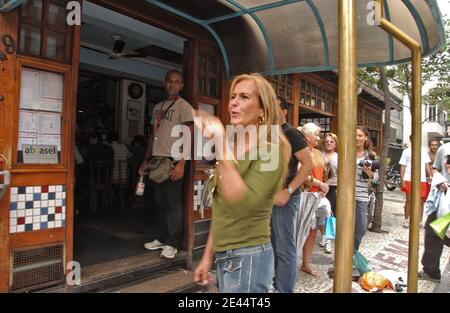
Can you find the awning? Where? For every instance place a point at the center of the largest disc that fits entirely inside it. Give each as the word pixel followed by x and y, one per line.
pixel 292 36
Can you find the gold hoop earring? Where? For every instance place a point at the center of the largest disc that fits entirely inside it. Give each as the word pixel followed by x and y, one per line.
pixel 262 120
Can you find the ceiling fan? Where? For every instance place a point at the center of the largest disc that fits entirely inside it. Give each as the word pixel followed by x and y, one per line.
pixel 150 51
pixel 117 51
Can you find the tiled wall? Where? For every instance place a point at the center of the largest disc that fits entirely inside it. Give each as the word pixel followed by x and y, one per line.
pixel 37 208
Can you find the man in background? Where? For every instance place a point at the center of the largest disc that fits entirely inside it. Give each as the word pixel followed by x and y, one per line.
pixel 168 194
pixel 433 244
pixel 433 146
pixel 405 176
pixel 286 205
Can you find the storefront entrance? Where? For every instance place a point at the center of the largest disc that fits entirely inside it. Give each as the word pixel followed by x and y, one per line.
pixel 60 85
pixel 121 78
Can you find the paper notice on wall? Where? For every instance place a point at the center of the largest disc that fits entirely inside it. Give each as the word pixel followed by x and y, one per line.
pixel 53 105
pixel 26 138
pixel 30 89
pixel 52 86
pixel 49 123
pixel 28 121
pixel 50 140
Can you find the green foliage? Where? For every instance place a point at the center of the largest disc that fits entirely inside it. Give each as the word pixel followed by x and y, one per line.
pixel 434 68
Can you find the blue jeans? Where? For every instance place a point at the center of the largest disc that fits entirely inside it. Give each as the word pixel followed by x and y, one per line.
pixel 245 270
pixel 283 242
pixel 360 222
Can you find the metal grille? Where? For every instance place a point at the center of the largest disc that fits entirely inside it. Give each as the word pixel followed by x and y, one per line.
pixel 37 267
pixel 201 231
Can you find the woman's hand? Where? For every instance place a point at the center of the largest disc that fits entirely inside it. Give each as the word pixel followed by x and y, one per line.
pixel 368 171
pixel 324 188
pixel 201 274
pixel 208 124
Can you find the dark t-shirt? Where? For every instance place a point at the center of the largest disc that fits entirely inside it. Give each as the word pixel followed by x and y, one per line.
pixel 298 142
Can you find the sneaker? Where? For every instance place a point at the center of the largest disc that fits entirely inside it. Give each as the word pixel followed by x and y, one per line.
pixel 168 252
pixel 406 223
pixel 154 245
pixel 328 246
pixel 424 275
pixel 322 242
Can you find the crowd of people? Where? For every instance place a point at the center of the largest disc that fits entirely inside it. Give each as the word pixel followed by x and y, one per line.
pixel 256 245
pixel 265 218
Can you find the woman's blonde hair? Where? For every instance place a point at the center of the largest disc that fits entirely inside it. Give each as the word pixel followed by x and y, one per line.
pixel 334 137
pixel 268 101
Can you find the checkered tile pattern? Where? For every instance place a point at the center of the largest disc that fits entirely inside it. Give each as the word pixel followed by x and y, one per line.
pixel 198 189
pixel 37 208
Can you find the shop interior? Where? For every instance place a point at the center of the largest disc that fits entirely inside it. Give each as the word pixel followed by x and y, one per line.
pixel 122 68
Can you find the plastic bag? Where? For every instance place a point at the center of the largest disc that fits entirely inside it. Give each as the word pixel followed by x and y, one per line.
pixel 441 225
pixel 361 263
pixel 372 281
pixel 330 227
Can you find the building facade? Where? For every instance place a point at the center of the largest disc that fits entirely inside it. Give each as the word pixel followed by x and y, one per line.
pixel 58 83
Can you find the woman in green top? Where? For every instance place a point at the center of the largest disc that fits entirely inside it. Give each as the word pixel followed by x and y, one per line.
pixel 250 172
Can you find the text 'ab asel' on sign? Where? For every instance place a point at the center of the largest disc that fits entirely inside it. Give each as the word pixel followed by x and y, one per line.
pixel 39 154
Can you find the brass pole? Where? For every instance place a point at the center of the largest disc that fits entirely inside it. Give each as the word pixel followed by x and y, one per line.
pixel 416 111
pixel 345 216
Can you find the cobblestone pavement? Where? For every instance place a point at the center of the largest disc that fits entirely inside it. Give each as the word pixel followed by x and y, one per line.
pixel 384 251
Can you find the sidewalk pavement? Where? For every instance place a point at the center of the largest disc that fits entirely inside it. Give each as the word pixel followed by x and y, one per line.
pixel 384 251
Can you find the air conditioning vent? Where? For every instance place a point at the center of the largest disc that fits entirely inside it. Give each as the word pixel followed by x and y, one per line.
pixel 36 268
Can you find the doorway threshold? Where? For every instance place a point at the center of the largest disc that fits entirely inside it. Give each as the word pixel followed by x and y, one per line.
pixel 109 275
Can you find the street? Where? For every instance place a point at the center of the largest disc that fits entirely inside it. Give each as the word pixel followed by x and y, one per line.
pixel 384 251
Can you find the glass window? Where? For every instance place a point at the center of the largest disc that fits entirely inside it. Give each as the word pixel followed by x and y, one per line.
pixel 40 122
pixel 202 63
pixel 42 33
pixel 212 87
pixel 30 40
pixel 202 85
pixel 32 10
pixel 212 66
pixel 208 73
pixel 289 93
pixel 57 13
pixel 281 90
pixel 283 85
pixel 315 96
pixel 56 46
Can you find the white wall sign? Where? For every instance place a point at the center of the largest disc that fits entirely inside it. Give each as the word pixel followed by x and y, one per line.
pixel 40 154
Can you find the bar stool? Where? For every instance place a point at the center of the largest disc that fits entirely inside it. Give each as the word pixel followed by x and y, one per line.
pixel 100 185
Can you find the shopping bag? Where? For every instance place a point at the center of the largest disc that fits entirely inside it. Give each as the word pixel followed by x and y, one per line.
pixel 361 263
pixel 330 227
pixel 372 282
pixel 306 219
pixel 441 225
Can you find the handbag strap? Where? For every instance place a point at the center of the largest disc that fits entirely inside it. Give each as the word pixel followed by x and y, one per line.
pixel 168 108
